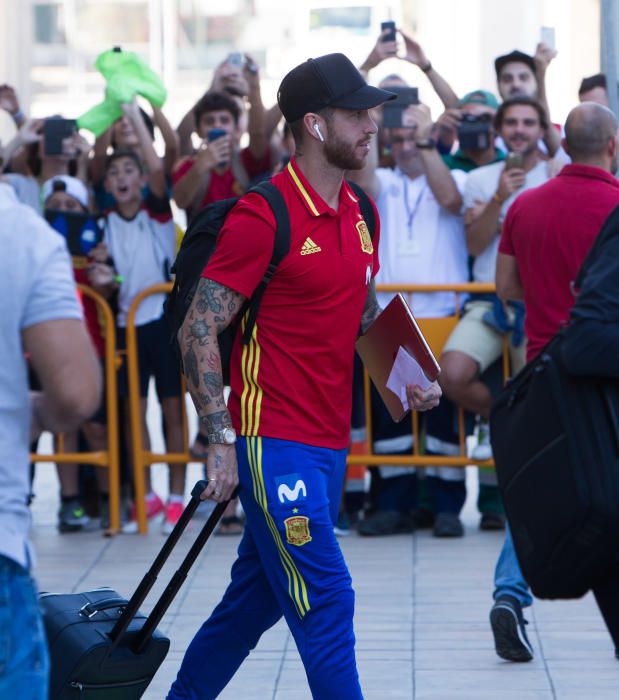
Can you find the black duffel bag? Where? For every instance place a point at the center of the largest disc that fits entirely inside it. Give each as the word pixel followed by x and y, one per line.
pixel 555 438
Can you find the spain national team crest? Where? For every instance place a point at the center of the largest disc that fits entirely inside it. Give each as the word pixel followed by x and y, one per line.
pixel 364 235
pixel 297 530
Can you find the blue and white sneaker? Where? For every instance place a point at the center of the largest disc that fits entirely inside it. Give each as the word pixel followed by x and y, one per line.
pixel 510 639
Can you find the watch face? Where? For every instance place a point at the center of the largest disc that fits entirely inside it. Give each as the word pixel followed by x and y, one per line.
pixel 229 436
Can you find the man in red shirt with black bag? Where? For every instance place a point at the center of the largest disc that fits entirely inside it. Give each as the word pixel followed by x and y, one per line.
pixel 288 423
pixel 546 236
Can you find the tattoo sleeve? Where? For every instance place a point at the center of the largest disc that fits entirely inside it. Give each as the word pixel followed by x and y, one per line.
pixel 371 309
pixel 213 308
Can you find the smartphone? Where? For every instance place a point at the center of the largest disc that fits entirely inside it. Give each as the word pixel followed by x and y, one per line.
pixel 393 109
pixel 547 36
pixel 214 134
pixel 390 25
pixel 235 59
pixel 513 160
pixel 55 130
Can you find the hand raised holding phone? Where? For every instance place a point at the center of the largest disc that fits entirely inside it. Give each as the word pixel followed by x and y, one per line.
pixel 512 178
pixel 216 151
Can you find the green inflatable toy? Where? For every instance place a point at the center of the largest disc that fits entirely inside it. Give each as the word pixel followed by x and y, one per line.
pixel 126 76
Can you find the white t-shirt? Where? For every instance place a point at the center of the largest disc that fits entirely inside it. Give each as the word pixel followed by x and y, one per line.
pixel 143 249
pixel 420 241
pixel 481 185
pixel 36 285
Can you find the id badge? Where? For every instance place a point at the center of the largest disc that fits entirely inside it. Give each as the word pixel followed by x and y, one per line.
pixel 408 246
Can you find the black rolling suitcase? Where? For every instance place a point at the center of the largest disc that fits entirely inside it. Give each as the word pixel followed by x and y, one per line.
pixel 101 646
pixel 555 439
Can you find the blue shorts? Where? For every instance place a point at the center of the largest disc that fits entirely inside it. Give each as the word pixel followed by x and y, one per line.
pixel 289 563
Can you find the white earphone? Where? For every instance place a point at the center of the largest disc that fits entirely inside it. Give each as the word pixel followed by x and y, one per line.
pixel 319 133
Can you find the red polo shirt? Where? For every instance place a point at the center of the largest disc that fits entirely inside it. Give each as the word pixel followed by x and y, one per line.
pixel 549 230
pixel 294 381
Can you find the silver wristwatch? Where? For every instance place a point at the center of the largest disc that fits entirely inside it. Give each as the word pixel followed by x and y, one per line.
pixel 225 436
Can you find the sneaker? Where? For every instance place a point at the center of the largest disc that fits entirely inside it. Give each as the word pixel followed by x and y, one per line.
pixel 510 639
pixel 492 521
pixel 342 527
pixel 154 507
pixel 173 512
pixel 423 518
pixel 448 525
pixel 72 517
pixel 386 522
pixel 483 450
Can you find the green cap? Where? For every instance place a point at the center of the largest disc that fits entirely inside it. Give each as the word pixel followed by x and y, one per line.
pixel 480 97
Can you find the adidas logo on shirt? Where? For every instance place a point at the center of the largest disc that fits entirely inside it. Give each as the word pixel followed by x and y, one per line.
pixel 310 247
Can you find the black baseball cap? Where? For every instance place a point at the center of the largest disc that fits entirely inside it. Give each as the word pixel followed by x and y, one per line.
pixel 514 57
pixel 326 81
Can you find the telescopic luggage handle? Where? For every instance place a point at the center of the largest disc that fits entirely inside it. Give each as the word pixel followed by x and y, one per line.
pixel 177 579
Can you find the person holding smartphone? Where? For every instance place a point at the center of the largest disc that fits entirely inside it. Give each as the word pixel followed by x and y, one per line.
pixel 422 234
pixel 220 168
pixel 477 341
pixel 519 74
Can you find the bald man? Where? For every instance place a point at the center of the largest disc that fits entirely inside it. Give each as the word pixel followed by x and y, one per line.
pixel 546 235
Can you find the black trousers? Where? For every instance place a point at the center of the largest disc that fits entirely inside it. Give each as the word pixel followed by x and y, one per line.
pixel 606 593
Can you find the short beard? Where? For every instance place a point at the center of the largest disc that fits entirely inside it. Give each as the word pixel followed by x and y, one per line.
pixel 342 155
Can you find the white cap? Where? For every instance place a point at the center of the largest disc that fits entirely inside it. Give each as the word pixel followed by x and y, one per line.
pixel 71 185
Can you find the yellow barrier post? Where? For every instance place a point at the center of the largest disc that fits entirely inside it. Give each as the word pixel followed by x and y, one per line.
pixel 142 458
pixel 106 458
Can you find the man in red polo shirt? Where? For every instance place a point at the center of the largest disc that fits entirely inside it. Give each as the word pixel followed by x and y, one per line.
pixel 546 235
pixel 291 390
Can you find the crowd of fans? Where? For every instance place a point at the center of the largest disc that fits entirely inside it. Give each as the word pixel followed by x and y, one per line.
pixel 442 185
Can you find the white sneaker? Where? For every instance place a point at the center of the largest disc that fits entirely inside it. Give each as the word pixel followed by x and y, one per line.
pixel 483 450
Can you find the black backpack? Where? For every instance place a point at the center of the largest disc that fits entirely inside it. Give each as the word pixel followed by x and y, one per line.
pixel 198 245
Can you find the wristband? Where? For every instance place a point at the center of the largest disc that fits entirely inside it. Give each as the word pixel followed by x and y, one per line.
pixel 427 68
pixel 18 116
pixel 426 144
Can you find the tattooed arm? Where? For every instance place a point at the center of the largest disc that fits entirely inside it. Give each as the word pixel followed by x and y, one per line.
pixel 213 308
pixel 372 309
pixel 418 399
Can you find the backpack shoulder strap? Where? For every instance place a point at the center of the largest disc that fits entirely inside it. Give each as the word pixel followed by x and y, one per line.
pixel 281 246
pixel 365 206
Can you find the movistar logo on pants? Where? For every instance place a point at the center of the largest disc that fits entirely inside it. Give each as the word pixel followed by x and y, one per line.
pixel 290 488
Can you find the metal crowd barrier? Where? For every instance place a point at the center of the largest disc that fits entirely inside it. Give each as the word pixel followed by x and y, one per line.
pixel 436 330
pixel 140 457
pixel 108 458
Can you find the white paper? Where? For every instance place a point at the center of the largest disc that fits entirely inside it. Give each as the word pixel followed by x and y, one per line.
pixel 405 370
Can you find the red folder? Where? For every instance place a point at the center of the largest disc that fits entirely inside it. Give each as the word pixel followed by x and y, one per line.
pixel 378 346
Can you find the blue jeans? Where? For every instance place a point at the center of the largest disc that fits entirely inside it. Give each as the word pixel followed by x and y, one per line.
pixel 508 579
pixel 24 661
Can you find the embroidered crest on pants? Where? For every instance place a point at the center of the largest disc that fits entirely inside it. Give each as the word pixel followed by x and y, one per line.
pixel 297 530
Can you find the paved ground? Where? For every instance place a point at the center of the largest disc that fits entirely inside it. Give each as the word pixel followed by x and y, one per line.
pixel 421 621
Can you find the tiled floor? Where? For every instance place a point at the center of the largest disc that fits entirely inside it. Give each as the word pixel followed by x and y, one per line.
pixel 421 615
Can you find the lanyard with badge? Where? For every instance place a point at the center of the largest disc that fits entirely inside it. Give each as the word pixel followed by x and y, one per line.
pixel 408 244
